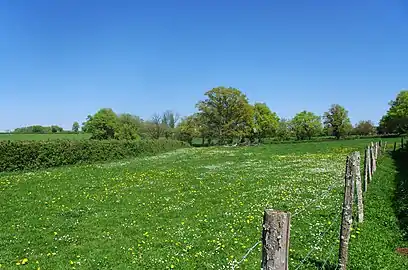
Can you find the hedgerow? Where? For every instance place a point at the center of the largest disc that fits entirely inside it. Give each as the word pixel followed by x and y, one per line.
pixel 31 155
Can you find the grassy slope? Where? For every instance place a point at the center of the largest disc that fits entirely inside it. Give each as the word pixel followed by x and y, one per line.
pixel 377 238
pixel 37 137
pixel 189 209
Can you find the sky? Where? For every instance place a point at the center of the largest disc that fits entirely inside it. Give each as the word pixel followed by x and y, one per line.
pixel 62 60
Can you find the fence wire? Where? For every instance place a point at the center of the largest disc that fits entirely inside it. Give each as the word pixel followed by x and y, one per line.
pixel 320 198
pixel 246 254
pixel 318 242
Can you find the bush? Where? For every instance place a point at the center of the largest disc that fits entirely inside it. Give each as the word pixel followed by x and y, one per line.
pixel 30 155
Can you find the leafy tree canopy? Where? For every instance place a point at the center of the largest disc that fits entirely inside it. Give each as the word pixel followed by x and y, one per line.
pixel 337 121
pixel 305 125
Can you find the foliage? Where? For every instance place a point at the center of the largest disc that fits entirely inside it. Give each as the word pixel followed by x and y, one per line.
pixel 226 113
pixel 38 129
pixel 29 155
pixel 75 127
pixel 284 131
pixel 169 122
pixel 102 124
pixel 128 127
pixel 305 125
pixel 337 121
pixel 266 122
pixel 189 128
pixel 364 128
pixel 396 118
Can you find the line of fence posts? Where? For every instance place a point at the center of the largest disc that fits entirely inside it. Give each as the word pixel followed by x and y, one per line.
pixel 276 224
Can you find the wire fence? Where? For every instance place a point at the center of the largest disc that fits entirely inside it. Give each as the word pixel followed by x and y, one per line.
pixel 374 150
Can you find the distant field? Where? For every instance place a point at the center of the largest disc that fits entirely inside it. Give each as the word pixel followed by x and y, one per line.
pixel 196 208
pixel 38 137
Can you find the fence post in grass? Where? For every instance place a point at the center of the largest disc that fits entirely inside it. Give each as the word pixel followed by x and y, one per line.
pixel 369 164
pixel 395 146
pixel 366 168
pixel 275 240
pixel 347 214
pixel 358 186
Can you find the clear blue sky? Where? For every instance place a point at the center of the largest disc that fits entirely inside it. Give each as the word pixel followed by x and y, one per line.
pixel 61 60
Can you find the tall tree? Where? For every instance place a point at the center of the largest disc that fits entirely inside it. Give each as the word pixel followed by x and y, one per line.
pixel 305 125
pixel 155 128
pixel 364 128
pixel 266 122
pixel 188 128
pixel 336 119
pixel 396 118
pixel 75 127
pixel 102 124
pixel 227 113
pixel 284 131
pixel 128 127
pixel 169 120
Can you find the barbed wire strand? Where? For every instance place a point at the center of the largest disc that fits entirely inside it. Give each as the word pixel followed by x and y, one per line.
pixel 318 241
pixel 331 252
pixel 325 194
pixel 246 254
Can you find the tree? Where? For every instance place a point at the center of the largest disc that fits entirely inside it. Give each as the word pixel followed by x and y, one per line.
pixel 128 127
pixel 169 120
pixel 266 122
pixel 305 125
pixel 396 118
pixel 102 124
pixel 227 113
pixel 284 131
pixel 337 120
pixel 75 127
pixel 188 128
pixel 364 128
pixel 154 128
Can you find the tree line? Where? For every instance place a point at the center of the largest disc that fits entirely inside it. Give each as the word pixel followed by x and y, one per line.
pixel 225 116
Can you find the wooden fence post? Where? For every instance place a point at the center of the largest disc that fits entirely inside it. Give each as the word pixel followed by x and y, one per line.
pixel 357 182
pixel 347 214
pixel 395 146
pixel 369 163
pixel 275 240
pixel 366 153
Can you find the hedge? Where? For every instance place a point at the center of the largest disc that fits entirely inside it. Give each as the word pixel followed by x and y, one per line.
pixel 31 155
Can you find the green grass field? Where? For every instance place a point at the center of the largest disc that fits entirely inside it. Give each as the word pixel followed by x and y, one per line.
pixel 196 208
pixel 37 137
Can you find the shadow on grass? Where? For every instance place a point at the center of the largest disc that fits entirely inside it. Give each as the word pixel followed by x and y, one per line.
pixel 401 192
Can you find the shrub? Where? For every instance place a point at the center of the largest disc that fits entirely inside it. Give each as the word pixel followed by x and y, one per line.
pixel 30 155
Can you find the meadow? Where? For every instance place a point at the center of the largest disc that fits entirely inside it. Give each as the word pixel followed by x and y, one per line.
pixel 40 137
pixel 193 208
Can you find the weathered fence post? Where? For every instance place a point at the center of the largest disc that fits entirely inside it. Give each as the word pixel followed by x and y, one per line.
pixel 275 240
pixel 347 214
pixel 357 181
pixel 369 163
pixel 366 170
pixel 385 147
pixel 395 146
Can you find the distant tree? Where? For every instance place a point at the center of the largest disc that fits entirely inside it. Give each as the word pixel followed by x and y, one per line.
pixel 227 113
pixel 154 128
pixel 266 122
pixel 85 125
pixel 128 127
pixel 75 127
pixel 337 121
pixel 169 121
pixel 305 125
pixel 55 129
pixel 284 131
pixel 102 124
pixel 364 128
pixel 188 128
pixel 396 118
